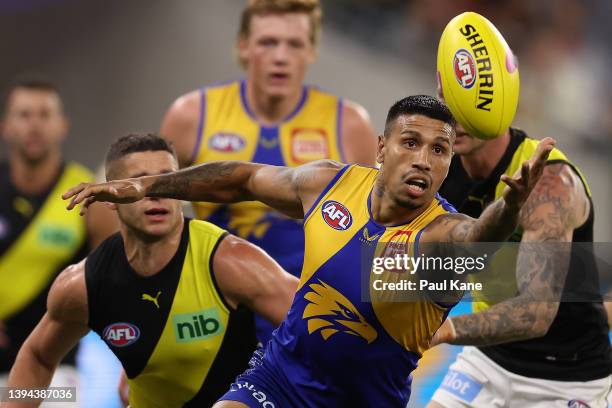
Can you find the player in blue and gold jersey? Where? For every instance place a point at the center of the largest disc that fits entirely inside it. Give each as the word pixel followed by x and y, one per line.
pixel 272 118
pixel 171 297
pixel 37 237
pixel 336 348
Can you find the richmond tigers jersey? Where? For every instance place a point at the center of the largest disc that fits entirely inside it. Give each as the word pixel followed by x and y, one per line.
pixel 178 341
pixel 229 130
pixel 332 329
pixel 576 347
pixel 38 238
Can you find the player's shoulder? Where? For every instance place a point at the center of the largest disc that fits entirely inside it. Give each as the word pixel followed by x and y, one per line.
pixel 67 300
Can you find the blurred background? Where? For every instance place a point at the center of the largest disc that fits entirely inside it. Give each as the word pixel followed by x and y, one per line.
pixel 119 65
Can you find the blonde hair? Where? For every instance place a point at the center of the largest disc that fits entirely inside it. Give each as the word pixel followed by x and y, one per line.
pixel 258 7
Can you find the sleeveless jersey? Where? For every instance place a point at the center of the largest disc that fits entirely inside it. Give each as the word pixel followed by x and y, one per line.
pixel 177 339
pixel 38 239
pixel 332 330
pixel 576 347
pixel 229 130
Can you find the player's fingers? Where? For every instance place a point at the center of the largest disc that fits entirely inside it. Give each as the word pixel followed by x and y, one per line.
pixel 510 182
pixel 543 150
pixel 525 173
pixel 74 191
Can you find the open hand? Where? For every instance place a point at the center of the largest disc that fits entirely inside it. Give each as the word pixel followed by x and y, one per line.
pixel 116 191
pixel 520 185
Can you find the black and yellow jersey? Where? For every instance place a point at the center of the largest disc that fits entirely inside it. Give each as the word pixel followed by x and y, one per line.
pixel 178 341
pixel 38 238
pixel 576 347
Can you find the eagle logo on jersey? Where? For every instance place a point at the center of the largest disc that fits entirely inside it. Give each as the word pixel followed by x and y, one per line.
pixel 330 312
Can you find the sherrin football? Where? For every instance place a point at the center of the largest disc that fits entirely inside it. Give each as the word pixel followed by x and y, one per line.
pixel 478 75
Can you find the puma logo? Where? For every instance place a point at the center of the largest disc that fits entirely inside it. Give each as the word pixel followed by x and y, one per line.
pixel 146 296
pixel 268 143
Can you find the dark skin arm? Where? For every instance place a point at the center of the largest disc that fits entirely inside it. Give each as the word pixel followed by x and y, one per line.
pixel 60 329
pixel 556 207
pixel 289 190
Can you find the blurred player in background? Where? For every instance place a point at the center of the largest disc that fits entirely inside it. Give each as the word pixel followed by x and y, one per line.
pixel 38 238
pixel 270 117
pixel 532 350
pixel 335 349
pixel 169 295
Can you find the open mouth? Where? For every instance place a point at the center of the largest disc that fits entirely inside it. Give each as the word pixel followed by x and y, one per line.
pixel 279 76
pixel 156 212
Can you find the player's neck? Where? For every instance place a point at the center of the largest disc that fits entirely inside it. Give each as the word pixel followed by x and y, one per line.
pixel 481 163
pixel 270 110
pixel 387 212
pixel 148 256
pixel 34 177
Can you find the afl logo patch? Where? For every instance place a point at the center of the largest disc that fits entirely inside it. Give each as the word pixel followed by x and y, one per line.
pixel 121 334
pixel 226 142
pixel 336 215
pixel 465 68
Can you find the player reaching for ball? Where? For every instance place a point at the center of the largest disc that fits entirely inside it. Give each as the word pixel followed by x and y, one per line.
pixel 171 297
pixel 334 348
pixel 553 352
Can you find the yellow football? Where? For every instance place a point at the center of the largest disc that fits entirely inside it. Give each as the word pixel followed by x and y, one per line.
pixel 478 75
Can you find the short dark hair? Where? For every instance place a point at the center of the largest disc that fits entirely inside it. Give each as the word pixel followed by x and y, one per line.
pixel 31 83
pixel 134 143
pixel 421 105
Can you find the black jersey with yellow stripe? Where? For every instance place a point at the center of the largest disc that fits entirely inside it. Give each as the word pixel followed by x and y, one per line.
pixel 576 347
pixel 38 238
pixel 178 341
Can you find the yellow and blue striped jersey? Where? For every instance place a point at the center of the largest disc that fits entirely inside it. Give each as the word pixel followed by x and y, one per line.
pixel 333 327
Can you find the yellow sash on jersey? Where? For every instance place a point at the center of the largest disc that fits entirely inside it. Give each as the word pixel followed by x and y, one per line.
pixel 50 241
pixel 193 333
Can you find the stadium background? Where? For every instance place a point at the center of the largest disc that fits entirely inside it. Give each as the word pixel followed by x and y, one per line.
pixel 119 65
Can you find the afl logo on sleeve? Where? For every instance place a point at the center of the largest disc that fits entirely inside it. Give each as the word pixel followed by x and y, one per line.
pixel 121 334
pixel 336 215
pixel 465 68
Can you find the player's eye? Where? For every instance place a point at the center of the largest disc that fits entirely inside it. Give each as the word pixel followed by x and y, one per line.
pixel 438 149
pixel 410 143
pixel 268 42
pixel 297 44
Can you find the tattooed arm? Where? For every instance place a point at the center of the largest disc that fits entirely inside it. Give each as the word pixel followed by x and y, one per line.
pixel 289 190
pixel 556 207
pixel 500 219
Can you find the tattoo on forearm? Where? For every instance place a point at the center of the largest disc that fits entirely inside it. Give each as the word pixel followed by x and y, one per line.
pixel 194 183
pixel 541 269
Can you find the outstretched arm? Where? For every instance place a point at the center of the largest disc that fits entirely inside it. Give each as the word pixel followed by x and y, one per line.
pixel 59 330
pixel 500 219
pixel 555 208
pixel 249 276
pixel 289 190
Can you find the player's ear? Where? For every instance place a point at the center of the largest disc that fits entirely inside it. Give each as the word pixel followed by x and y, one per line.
pixel 380 151
pixel 242 48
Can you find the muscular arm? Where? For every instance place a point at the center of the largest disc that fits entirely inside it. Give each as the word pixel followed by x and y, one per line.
pixel 59 330
pixel 500 219
pixel 247 275
pixel 358 137
pixel 556 207
pixel 180 126
pixel 289 190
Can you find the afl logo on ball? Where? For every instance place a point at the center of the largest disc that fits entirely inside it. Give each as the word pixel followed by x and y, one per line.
pixel 465 68
pixel 336 215
pixel 121 334
pixel 578 404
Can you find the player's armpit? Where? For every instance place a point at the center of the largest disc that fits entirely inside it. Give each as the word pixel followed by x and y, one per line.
pixel 180 126
pixel 247 275
pixel 59 330
pixel 357 135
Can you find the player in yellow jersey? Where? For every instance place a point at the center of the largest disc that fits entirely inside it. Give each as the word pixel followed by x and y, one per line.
pixel 37 237
pixel 336 348
pixel 171 297
pixel 270 117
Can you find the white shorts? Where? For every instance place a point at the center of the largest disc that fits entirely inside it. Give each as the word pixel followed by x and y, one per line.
pixel 65 376
pixel 476 381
